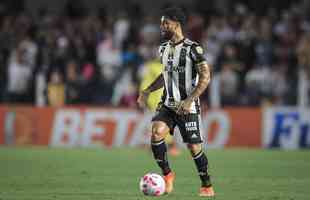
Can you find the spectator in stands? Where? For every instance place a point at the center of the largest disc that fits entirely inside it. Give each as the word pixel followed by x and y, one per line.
pixel 264 47
pixel 229 84
pixel 245 38
pixel 109 62
pixel 20 69
pixel 127 86
pixel 230 71
pixel 279 84
pixel 258 85
pixel 73 83
pixel 303 51
pixel 56 90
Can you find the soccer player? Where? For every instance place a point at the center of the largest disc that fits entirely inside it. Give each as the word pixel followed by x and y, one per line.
pixel 185 77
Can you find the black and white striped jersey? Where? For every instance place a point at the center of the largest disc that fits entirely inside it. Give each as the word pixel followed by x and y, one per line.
pixel 180 71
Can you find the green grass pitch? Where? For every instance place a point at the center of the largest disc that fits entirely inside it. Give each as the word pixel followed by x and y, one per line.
pixel 113 174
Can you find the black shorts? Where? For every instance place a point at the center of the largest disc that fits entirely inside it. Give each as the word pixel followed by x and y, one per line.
pixel 189 124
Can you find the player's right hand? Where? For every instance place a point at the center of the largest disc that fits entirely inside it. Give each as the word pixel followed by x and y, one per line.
pixel 142 99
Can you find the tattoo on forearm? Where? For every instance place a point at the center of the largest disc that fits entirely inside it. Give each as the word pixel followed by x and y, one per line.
pixel 156 84
pixel 204 79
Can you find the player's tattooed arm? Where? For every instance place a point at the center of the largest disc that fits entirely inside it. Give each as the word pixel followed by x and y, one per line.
pixel 203 81
pixel 155 85
pixel 203 70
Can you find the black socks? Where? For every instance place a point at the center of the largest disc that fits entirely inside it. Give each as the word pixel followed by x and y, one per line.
pixel 201 162
pixel 159 150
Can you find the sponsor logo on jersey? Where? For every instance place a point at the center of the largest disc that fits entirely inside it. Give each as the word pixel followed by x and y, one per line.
pixel 170 68
pixel 191 126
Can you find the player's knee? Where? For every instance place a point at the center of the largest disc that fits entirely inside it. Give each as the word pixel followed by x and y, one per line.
pixel 194 148
pixel 158 132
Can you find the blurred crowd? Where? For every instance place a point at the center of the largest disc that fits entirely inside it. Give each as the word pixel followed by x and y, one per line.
pixel 100 59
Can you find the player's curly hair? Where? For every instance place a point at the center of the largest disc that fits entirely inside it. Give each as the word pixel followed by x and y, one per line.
pixel 175 13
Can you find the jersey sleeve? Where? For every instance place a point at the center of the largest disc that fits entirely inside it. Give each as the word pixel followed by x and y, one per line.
pixel 197 54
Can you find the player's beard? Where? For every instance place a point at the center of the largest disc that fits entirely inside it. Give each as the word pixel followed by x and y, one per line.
pixel 166 35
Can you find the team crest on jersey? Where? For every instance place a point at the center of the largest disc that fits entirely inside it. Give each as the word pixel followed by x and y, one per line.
pixel 199 49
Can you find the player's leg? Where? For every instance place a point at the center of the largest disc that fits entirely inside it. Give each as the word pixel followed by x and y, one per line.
pixel 158 145
pixel 190 130
pixel 159 148
pixel 202 164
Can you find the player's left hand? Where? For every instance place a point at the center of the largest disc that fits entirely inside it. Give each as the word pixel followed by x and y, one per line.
pixel 185 106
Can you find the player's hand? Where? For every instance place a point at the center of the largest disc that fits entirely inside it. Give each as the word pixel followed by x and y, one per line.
pixel 185 106
pixel 142 99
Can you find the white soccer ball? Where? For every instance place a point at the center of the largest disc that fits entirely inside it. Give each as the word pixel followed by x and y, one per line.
pixel 152 184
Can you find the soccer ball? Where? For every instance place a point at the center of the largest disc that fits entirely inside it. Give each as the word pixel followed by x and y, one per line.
pixel 152 184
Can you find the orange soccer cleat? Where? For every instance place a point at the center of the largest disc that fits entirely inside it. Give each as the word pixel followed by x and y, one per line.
pixel 207 192
pixel 169 179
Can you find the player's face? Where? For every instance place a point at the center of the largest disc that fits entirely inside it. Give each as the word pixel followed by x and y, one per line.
pixel 167 28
